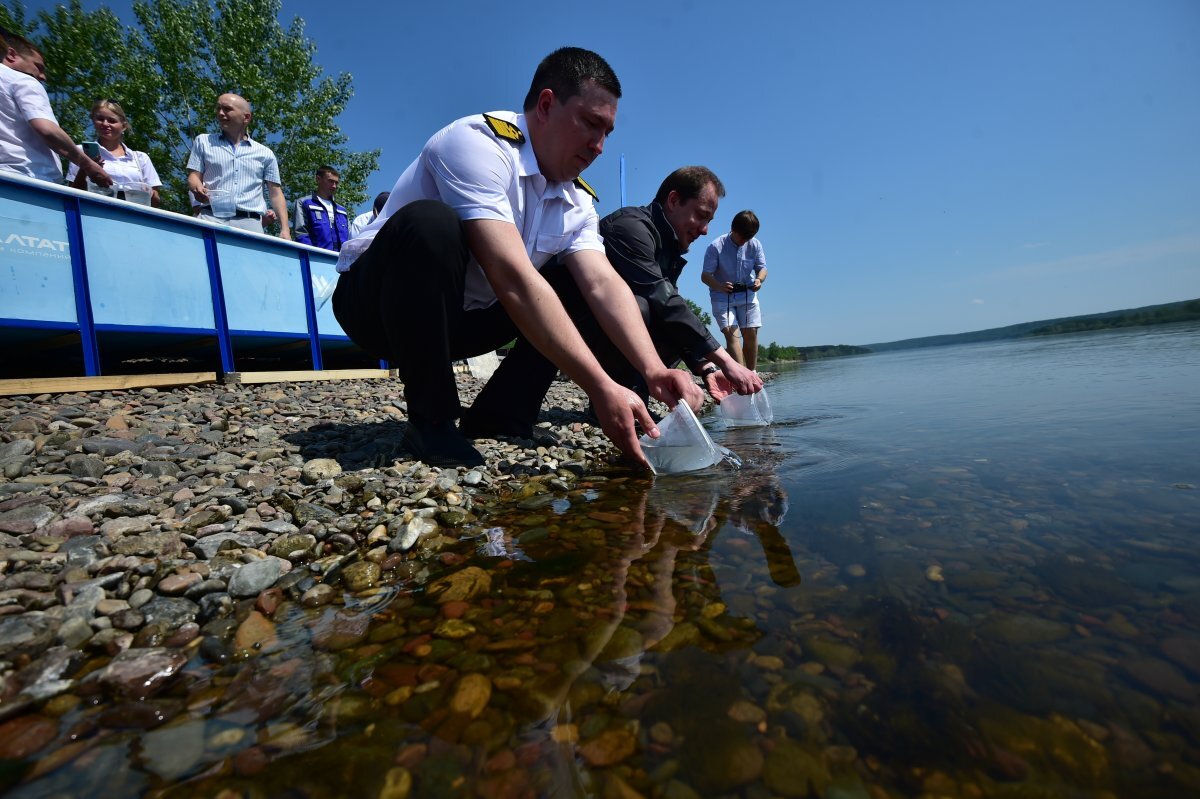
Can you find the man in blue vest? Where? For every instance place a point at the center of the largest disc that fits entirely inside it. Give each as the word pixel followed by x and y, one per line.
pixel 319 220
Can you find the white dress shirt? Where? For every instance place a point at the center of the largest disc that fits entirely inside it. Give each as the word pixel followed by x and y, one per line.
pixel 731 263
pixel 239 174
pixel 22 149
pixel 482 176
pixel 361 221
pixel 132 167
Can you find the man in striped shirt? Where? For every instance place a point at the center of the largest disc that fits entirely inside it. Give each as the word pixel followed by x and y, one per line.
pixel 228 171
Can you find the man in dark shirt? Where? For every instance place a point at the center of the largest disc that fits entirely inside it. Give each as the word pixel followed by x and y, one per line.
pixel 646 244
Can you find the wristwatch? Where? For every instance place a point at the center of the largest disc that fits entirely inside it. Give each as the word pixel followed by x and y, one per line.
pixel 710 370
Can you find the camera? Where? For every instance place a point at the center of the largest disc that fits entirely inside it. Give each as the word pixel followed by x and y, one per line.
pixel 737 287
pixel 91 149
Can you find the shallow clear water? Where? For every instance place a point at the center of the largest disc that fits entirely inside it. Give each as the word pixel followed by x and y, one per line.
pixel 964 571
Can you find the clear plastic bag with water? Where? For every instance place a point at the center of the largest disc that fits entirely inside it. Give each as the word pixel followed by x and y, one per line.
pixel 750 410
pixel 135 191
pixel 683 445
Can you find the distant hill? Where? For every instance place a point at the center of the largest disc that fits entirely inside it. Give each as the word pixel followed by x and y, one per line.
pixel 776 353
pixel 1185 310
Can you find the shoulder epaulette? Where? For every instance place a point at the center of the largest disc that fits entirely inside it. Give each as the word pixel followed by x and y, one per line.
pixel 581 183
pixel 504 129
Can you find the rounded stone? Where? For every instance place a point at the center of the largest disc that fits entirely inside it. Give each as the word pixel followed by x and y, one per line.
pixel 609 747
pixel 255 577
pixel 462 585
pixel 318 595
pixel 361 576
pixel 454 629
pixel 320 469
pixel 471 695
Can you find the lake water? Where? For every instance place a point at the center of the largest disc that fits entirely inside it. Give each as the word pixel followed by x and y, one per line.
pixel 967 571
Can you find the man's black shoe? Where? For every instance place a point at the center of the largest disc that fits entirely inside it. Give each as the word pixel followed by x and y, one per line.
pixel 545 437
pixel 440 444
pixel 474 429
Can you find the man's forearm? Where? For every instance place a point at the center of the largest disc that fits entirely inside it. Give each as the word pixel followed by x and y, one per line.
pixel 531 302
pixel 720 358
pixel 279 206
pixel 57 140
pixel 614 307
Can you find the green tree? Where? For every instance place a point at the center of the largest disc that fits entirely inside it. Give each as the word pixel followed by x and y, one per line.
pixel 701 314
pixel 168 70
pixel 12 17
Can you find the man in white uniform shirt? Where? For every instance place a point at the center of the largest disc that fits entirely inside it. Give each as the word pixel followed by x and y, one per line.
pixel 450 267
pixel 30 139
pixel 362 220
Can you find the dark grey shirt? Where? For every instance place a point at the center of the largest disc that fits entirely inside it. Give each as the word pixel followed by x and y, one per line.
pixel 643 248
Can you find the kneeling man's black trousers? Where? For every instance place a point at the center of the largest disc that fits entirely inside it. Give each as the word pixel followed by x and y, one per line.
pixel 402 301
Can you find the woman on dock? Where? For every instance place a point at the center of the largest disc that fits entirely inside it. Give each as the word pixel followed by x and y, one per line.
pixel 126 166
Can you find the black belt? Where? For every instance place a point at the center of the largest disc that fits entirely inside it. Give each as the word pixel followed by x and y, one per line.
pixel 239 214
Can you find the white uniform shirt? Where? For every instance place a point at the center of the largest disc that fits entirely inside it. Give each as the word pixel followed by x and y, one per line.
pixel 361 221
pixel 22 149
pixel 132 167
pixel 482 176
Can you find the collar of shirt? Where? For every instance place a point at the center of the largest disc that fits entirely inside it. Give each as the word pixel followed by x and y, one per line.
pixel 107 154
pixel 327 204
pixel 528 169
pixel 665 231
pixel 246 140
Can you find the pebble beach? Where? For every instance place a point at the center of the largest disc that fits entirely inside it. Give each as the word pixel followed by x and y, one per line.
pixel 134 523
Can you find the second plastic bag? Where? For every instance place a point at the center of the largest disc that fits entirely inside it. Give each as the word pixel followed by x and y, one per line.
pixel 683 445
pixel 751 410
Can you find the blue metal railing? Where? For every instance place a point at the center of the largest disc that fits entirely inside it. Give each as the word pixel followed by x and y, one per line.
pixel 75 261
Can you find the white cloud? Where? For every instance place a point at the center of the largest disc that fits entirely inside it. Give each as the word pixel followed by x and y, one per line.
pixel 1135 255
pixel 977 301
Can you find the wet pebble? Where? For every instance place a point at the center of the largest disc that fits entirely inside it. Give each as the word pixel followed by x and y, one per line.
pixel 609 747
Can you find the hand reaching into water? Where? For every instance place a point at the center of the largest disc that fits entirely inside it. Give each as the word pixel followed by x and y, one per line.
pixel 617 409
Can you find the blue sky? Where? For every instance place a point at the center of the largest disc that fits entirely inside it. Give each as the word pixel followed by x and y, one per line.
pixel 919 167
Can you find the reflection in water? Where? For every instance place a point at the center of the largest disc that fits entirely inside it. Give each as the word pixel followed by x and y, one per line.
pixel 648 590
pixel 582 615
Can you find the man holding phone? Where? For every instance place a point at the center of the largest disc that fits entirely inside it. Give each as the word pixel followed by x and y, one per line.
pixel 31 141
pixel 734 270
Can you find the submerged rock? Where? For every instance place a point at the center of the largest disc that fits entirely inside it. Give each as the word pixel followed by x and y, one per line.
pixel 462 585
pixel 141 673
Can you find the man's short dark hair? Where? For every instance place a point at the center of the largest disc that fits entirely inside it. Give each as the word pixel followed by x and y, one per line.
pixel 327 170
pixel 689 181
pixel 23 46
pixel 566 70
pixel 745 224
pixel 381 200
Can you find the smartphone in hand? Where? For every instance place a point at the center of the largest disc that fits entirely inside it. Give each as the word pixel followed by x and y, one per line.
pixel 91 149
